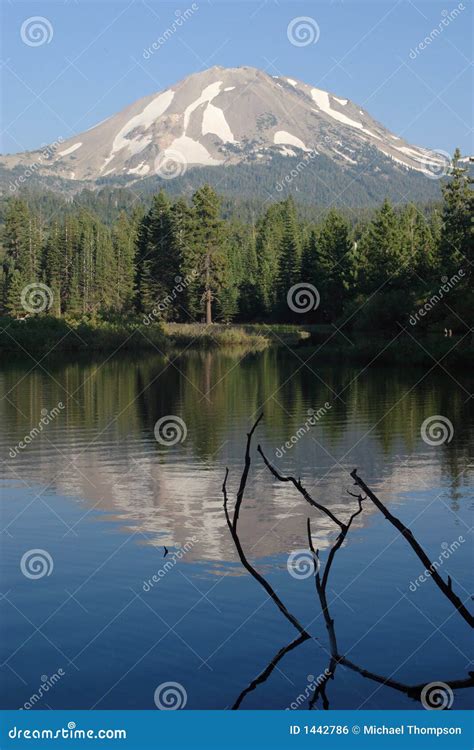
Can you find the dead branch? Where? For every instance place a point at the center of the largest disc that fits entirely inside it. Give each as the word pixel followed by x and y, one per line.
pixel 321 582
pixel 297 484
pixel 412 691
pixel 446 588
pixel 232 523
pixel 263 676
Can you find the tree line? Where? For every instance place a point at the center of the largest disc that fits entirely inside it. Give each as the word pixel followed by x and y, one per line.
pixel 182 261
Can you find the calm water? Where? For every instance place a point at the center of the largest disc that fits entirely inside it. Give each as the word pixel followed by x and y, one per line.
pixel 99 494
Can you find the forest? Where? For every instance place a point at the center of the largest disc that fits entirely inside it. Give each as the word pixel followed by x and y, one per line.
pixel 183 261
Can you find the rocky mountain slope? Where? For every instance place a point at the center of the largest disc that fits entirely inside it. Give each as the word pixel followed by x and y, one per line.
pixel 224 118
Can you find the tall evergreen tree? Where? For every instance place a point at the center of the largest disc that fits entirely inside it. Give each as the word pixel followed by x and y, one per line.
pixel 159 266
pixel 52 264
pixel 458 229
pixel 207 254
pixel 124 243
pixel 181 235
pixel 381 249
pixel 290 253
pixel 22 263
pixel 335 271
pixel 268 245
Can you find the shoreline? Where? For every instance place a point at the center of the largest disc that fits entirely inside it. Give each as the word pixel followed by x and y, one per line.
pixel 54 336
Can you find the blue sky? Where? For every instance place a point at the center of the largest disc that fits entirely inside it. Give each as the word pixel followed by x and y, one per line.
pixel 94 64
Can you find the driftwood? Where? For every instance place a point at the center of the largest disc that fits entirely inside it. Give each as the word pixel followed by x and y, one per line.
pixel 297 484
pixel 265 674
pixel 412 691
pixel 446 588
pixel 321 582
pixel 232 523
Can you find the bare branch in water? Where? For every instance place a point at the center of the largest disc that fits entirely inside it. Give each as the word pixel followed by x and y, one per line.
pixel 321 582
pixel 412 691
pixel 297 484
pixel 263 676
pixel 446 588
pixel 232 523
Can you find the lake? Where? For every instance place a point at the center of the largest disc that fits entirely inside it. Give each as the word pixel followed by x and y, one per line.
pixel 137 583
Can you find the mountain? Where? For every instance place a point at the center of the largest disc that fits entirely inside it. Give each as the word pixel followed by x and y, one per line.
pixel 237 124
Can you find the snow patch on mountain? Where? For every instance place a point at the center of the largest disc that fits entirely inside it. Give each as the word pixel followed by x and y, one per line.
pixel 207 95
pixel 70 150
pixel 141 170
pixel 214 121
pixel 418 155
pixel 192 151
pixel 281 136
pixel 144 119
pixel 372 135
pixel 322 100
pixel 344 156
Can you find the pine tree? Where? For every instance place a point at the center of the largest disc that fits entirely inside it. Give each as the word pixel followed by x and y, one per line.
pixel 458 230
pixel 181 228
pixel 267 249
pixel 69 249
pixel 124 244
pixel 249 282
pixel 52 264
pixel 159 267
pixel 309 260
pixel 418 249
pixel 334 264
pixel 206 254
pixel 105 269
pixel 22 263
pixel 381 249
pixel 290 253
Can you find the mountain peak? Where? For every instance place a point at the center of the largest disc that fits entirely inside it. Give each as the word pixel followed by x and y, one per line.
pixel 223 116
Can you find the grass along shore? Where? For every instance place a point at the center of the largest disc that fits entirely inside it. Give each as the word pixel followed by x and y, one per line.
pixel 44 335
